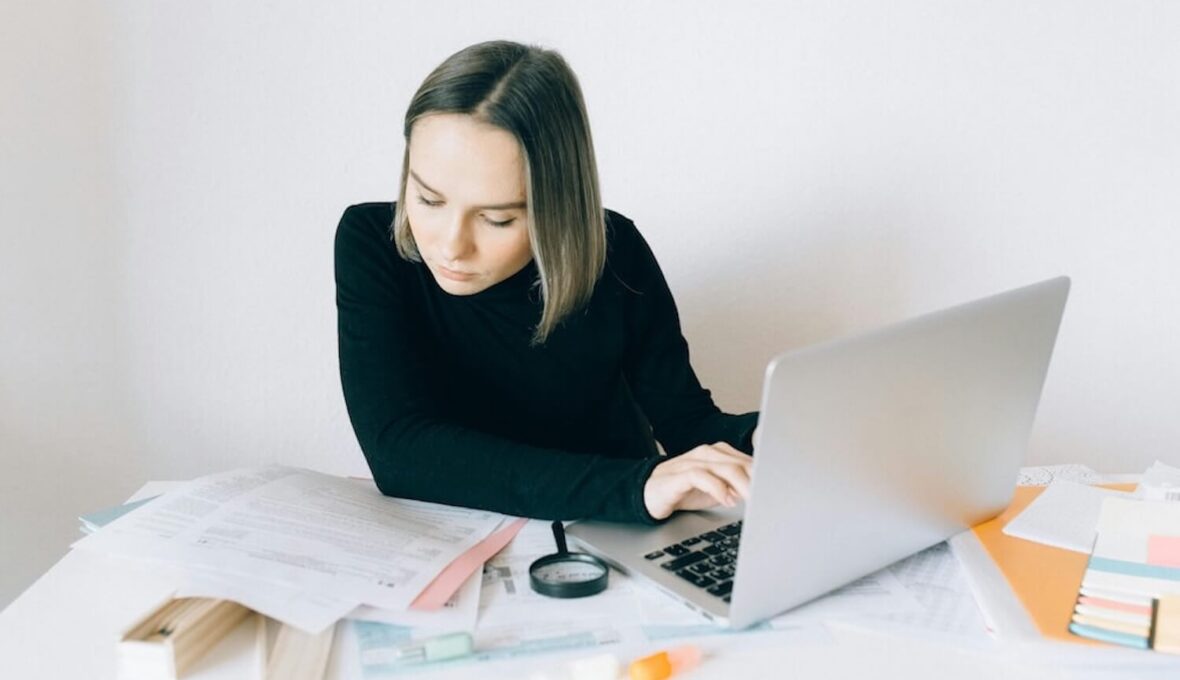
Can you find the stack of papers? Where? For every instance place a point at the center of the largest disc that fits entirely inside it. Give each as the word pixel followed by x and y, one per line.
pixel 306 548
pixel 1129 594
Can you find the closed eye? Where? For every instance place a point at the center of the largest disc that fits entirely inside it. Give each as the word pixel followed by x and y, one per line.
pixel 432 204
pixel 435 204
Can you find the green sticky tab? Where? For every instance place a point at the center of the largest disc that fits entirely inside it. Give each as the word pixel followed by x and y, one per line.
pixel 448 646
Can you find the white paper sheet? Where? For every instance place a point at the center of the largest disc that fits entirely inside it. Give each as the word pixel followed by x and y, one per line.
pixel 1161 482
pixel 1064 515
pixel 507 597
pixel 1002 612
pixel 876 595
pixel 458 614
pixel 303 529
pixel 306 610
pixel 947 607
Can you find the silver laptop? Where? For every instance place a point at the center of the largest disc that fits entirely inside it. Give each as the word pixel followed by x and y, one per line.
pixel 870 449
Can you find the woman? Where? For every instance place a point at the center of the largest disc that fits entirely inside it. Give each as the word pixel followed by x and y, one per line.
pixel 505 342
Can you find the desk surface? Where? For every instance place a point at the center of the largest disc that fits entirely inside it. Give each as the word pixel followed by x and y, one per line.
pixel 65 626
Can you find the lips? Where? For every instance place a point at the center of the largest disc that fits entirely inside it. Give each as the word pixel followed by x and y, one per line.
pixel 454 275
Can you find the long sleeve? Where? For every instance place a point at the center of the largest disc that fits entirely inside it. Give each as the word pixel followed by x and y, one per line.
pixel 681 412
pixel 413 448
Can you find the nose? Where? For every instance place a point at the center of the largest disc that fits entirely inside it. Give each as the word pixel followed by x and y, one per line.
pixel 456 242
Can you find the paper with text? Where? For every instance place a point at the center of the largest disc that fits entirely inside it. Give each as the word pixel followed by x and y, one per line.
pixel 303 529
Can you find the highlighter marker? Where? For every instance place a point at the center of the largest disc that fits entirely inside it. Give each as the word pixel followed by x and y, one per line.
pixel 439 648
pixel 663 665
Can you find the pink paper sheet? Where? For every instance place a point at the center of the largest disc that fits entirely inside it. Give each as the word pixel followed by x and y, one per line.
pixel 1163 551
pixel 448 580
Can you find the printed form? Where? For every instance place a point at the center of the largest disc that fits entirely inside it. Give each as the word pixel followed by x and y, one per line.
pixel 294 528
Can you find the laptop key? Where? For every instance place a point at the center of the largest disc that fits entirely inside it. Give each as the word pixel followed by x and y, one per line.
pixel 713 536
pixel 676 550
pixel 726 598
pixel 701 568
pixel 713 549
pixel 690 541
pixel 683 561
pixel 731 529
pixel 695 579
pixel 653 555
pixel 722 589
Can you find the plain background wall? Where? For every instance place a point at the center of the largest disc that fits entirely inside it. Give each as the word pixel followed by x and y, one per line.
pixel 173 174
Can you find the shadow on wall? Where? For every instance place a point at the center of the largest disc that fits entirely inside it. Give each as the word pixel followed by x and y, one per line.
pixel 831 269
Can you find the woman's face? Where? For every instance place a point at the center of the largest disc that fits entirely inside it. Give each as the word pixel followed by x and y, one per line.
pixel 465 202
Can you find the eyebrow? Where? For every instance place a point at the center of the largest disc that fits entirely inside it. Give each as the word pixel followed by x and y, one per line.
pixel 498 206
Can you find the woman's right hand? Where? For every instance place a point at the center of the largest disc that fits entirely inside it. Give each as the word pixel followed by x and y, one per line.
pixel 705 477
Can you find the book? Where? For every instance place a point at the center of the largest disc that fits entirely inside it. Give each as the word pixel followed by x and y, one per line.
pixel 165 642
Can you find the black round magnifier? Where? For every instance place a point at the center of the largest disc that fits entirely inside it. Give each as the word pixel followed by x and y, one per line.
pixel 567 574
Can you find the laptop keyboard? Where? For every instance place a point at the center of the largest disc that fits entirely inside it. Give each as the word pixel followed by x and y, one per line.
pixel 706 561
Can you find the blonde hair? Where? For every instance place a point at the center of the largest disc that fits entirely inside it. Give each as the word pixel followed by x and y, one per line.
pixel 531 93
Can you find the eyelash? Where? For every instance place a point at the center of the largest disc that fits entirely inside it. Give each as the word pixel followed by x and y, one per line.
pixel 434 204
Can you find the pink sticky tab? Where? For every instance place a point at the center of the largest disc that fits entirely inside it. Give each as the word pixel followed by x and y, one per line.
pixel 1163 551
pixel 450 579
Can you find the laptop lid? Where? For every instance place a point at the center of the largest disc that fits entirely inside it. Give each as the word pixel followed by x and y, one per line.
pixel 874 447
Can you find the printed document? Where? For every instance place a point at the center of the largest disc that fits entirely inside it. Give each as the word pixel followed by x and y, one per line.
pixel 341 538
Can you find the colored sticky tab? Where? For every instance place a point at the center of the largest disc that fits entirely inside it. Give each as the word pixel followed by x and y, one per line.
pixel 1163 551
pixel 452 577
pixel 1111 636
pixel 1165 634
pixel 1115 605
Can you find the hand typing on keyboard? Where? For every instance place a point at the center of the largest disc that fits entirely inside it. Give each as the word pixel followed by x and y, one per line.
pixel 707 476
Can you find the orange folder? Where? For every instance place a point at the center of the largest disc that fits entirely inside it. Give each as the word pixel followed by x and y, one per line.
pixel 1045 579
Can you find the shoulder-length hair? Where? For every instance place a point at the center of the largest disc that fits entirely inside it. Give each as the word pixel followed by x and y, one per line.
pixel 533 94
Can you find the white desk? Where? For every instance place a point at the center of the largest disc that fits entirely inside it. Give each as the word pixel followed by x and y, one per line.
pixel 66 624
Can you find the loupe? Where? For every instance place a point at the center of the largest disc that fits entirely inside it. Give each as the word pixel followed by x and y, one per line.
pixel 567 574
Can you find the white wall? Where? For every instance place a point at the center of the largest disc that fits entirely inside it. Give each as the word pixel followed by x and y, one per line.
pixel 174 173
pixel 66 439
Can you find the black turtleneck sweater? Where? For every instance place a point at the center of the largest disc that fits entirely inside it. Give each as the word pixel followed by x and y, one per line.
pixel 451 404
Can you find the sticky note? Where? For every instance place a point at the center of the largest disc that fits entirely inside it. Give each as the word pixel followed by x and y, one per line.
pixel 1165 633
pixel 1163 551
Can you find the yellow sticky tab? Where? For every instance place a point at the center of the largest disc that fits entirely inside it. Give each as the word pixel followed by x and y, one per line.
pixel 1166 631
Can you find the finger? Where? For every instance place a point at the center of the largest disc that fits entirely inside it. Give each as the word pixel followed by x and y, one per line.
pixel 710 483
pixel 737 477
